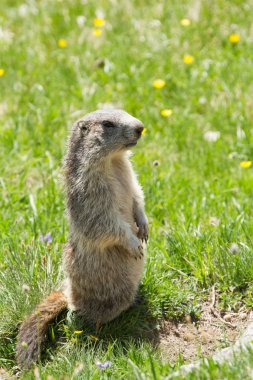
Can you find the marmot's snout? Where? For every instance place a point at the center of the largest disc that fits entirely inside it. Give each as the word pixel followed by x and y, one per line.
pixel 138 130
pixel 135 134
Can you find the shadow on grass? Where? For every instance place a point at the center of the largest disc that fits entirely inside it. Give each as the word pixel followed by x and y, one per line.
pixel 7 349
pixel 136 325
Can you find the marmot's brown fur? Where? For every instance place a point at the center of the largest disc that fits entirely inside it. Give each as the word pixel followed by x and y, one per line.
pixel 103 260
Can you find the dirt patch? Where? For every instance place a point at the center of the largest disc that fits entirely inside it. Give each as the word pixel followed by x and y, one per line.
pixel 213 331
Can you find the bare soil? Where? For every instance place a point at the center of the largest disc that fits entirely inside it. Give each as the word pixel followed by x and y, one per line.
pixel 213 331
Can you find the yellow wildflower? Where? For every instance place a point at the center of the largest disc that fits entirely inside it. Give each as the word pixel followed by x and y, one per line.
pixel 97 32
pixel 245 164
pixel 98 22
pixel 62 43
pixel 93 337
pixel 159 83
pixel 166 112
pixel 185 22
pixel 24 344
pixel 2 72
pixel 144 131
pixel 234 38
pixel 78 332
pixel 188 59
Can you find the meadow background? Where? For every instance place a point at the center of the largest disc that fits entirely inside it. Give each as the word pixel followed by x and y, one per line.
pixel 186 70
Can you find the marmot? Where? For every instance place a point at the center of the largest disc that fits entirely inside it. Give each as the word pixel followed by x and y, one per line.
pixel 103 261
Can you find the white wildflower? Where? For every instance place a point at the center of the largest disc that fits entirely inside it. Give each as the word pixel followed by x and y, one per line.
pixel 79 367
pixel 212 136
pixel 80 21
pixel 6 36
pixel 213 221
pixel 155 23
pixel 234 248
pixel 202 100
pixel 240 133
pixel 3 108
pixel 25 288
pixel 109 106
pixel 23 10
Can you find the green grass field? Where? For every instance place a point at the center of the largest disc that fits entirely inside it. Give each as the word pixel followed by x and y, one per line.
pixel 55 66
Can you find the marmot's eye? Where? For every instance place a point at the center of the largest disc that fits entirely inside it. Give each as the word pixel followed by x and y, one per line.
pixel 108 124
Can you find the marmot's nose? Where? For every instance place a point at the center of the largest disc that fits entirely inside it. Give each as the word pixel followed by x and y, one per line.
pixel 138 129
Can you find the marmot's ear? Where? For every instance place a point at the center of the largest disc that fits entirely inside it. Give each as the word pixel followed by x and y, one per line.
pixel 83 126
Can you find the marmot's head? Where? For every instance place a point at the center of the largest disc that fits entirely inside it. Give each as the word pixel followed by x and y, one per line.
pixel 100 133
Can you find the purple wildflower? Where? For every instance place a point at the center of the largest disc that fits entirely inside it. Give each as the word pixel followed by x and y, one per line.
pixel 46 238
pixel 104 365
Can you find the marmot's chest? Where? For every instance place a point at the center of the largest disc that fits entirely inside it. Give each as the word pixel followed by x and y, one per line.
pixel 123 190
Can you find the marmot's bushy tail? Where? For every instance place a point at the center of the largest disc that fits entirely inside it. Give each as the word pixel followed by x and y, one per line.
pixel 33 331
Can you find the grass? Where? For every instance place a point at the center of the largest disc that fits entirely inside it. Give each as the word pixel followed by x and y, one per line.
pixel 198 197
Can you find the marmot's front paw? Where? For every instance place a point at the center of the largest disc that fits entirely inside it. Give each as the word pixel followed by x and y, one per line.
pixel 135 247
pixel 143 230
